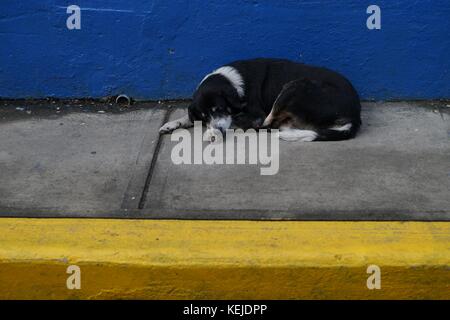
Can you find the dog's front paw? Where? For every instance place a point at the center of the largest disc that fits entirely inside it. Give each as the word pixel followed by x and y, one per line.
pixel 169 127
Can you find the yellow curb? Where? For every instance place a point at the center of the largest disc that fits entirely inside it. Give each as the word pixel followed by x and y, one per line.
pixel 151 259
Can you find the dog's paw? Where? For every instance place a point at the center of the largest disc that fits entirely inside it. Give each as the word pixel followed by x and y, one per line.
pixel 169 127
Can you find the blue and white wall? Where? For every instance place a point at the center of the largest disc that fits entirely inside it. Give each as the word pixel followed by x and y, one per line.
pixel 153 49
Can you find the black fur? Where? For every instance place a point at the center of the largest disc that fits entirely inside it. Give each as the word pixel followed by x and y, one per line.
pixel 301 96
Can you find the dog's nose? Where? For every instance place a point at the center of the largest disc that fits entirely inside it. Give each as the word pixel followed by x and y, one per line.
pixel 212 134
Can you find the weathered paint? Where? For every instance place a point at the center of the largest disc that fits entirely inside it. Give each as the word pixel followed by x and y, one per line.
pixel 223 259
pixel 161 49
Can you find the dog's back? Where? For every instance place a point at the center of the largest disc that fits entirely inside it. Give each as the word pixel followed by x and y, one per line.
pixel 265 77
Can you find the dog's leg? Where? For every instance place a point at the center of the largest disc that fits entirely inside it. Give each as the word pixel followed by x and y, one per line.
pixel 292 134
pixel 170 126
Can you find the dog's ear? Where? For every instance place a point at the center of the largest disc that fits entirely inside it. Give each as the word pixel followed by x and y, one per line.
pixel 230 94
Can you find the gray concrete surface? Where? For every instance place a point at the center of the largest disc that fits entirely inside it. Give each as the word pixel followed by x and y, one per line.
pixel 399 164
pixel 114 165
pixel 79 162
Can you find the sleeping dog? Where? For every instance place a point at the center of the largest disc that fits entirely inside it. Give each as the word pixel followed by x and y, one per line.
pixel 305 103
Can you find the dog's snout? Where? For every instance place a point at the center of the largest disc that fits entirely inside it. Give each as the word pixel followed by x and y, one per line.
pixel 220 123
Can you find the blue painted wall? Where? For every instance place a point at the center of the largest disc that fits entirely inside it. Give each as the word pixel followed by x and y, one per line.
pixel 153 49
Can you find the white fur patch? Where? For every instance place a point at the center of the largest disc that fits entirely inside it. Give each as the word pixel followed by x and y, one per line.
pixel 220 123
pixel 212 135
pixel 345 127
pixel 268 120
pixel 232 75
pixel 297 135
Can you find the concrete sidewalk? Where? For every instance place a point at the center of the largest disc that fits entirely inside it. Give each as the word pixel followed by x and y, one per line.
pixel 98 160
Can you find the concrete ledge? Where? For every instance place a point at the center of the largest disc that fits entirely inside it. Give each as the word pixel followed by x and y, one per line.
pixel 93 159
pixel 151 259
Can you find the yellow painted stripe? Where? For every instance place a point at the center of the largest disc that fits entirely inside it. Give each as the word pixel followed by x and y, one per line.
pixel 223 259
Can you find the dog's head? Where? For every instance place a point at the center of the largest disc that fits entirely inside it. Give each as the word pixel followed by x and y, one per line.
pixel 215 103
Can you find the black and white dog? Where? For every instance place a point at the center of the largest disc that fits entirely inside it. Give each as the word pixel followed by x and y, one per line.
pixel 305 103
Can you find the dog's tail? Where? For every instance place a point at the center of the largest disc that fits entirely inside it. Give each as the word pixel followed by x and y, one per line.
pixel 344 132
